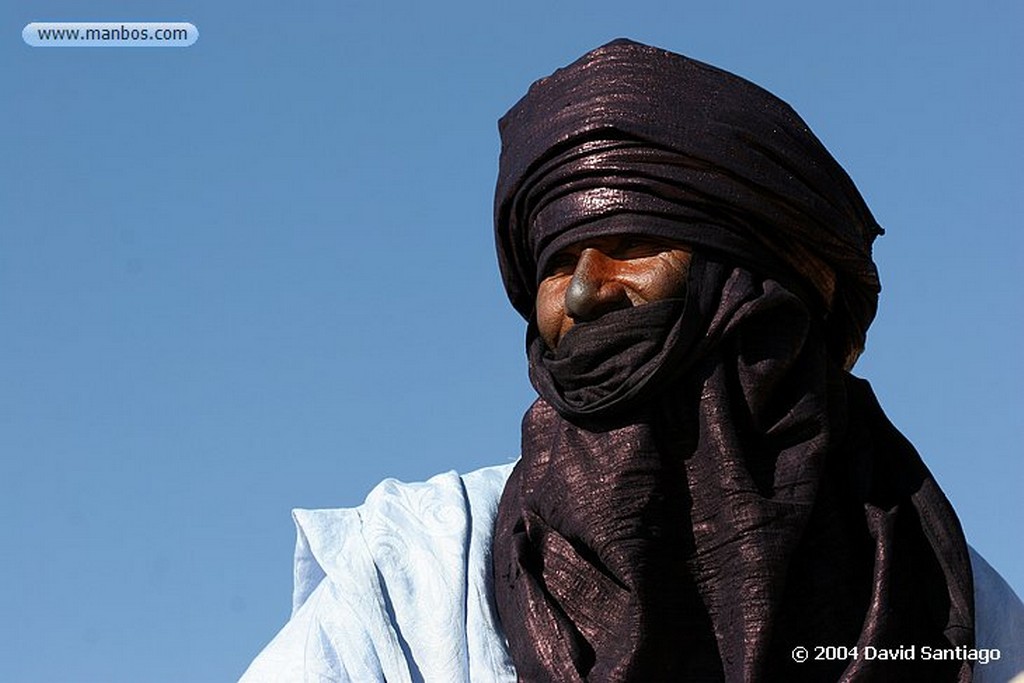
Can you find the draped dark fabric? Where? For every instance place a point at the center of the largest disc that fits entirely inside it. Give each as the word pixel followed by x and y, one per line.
pixel 632 131
pixel 703 486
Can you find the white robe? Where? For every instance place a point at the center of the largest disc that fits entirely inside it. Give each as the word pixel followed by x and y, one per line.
pixel 399 589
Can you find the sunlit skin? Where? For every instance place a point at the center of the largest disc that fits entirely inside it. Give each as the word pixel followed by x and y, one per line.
pixel 590 278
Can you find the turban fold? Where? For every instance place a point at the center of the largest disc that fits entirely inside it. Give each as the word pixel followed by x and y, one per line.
pixel 634 138
pixel 703 486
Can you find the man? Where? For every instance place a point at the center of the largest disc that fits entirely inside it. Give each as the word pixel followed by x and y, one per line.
pixel 704 489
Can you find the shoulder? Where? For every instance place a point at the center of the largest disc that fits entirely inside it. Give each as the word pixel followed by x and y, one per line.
pixel 399 588
pixel 400 525
pixel 998 624
pixel 396 589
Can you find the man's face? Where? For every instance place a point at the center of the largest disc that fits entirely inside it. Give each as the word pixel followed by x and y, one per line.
pixel 590 278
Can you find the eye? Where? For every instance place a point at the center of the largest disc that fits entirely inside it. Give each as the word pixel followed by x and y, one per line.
pixel 562 263
pixel 638 247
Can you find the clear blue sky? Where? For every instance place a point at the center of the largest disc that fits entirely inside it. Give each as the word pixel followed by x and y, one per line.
pixel 258 273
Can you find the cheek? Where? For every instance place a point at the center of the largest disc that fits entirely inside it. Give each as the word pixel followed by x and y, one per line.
pixel 670 283
pixel 664 276
pixel 551 309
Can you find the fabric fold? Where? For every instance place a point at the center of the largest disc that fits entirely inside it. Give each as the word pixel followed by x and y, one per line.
pixel 703 485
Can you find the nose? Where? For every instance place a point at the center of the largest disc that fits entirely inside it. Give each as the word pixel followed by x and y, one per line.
pixel 593 291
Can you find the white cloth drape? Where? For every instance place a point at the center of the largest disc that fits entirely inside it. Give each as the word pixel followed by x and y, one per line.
pixel 399 590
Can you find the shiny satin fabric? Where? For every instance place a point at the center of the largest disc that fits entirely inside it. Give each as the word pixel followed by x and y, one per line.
pixel 630 131
pixel 703 487
pixel 761 502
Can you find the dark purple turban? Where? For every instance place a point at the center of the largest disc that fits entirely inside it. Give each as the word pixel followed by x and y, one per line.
pixel 635 138
pixel 703 486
